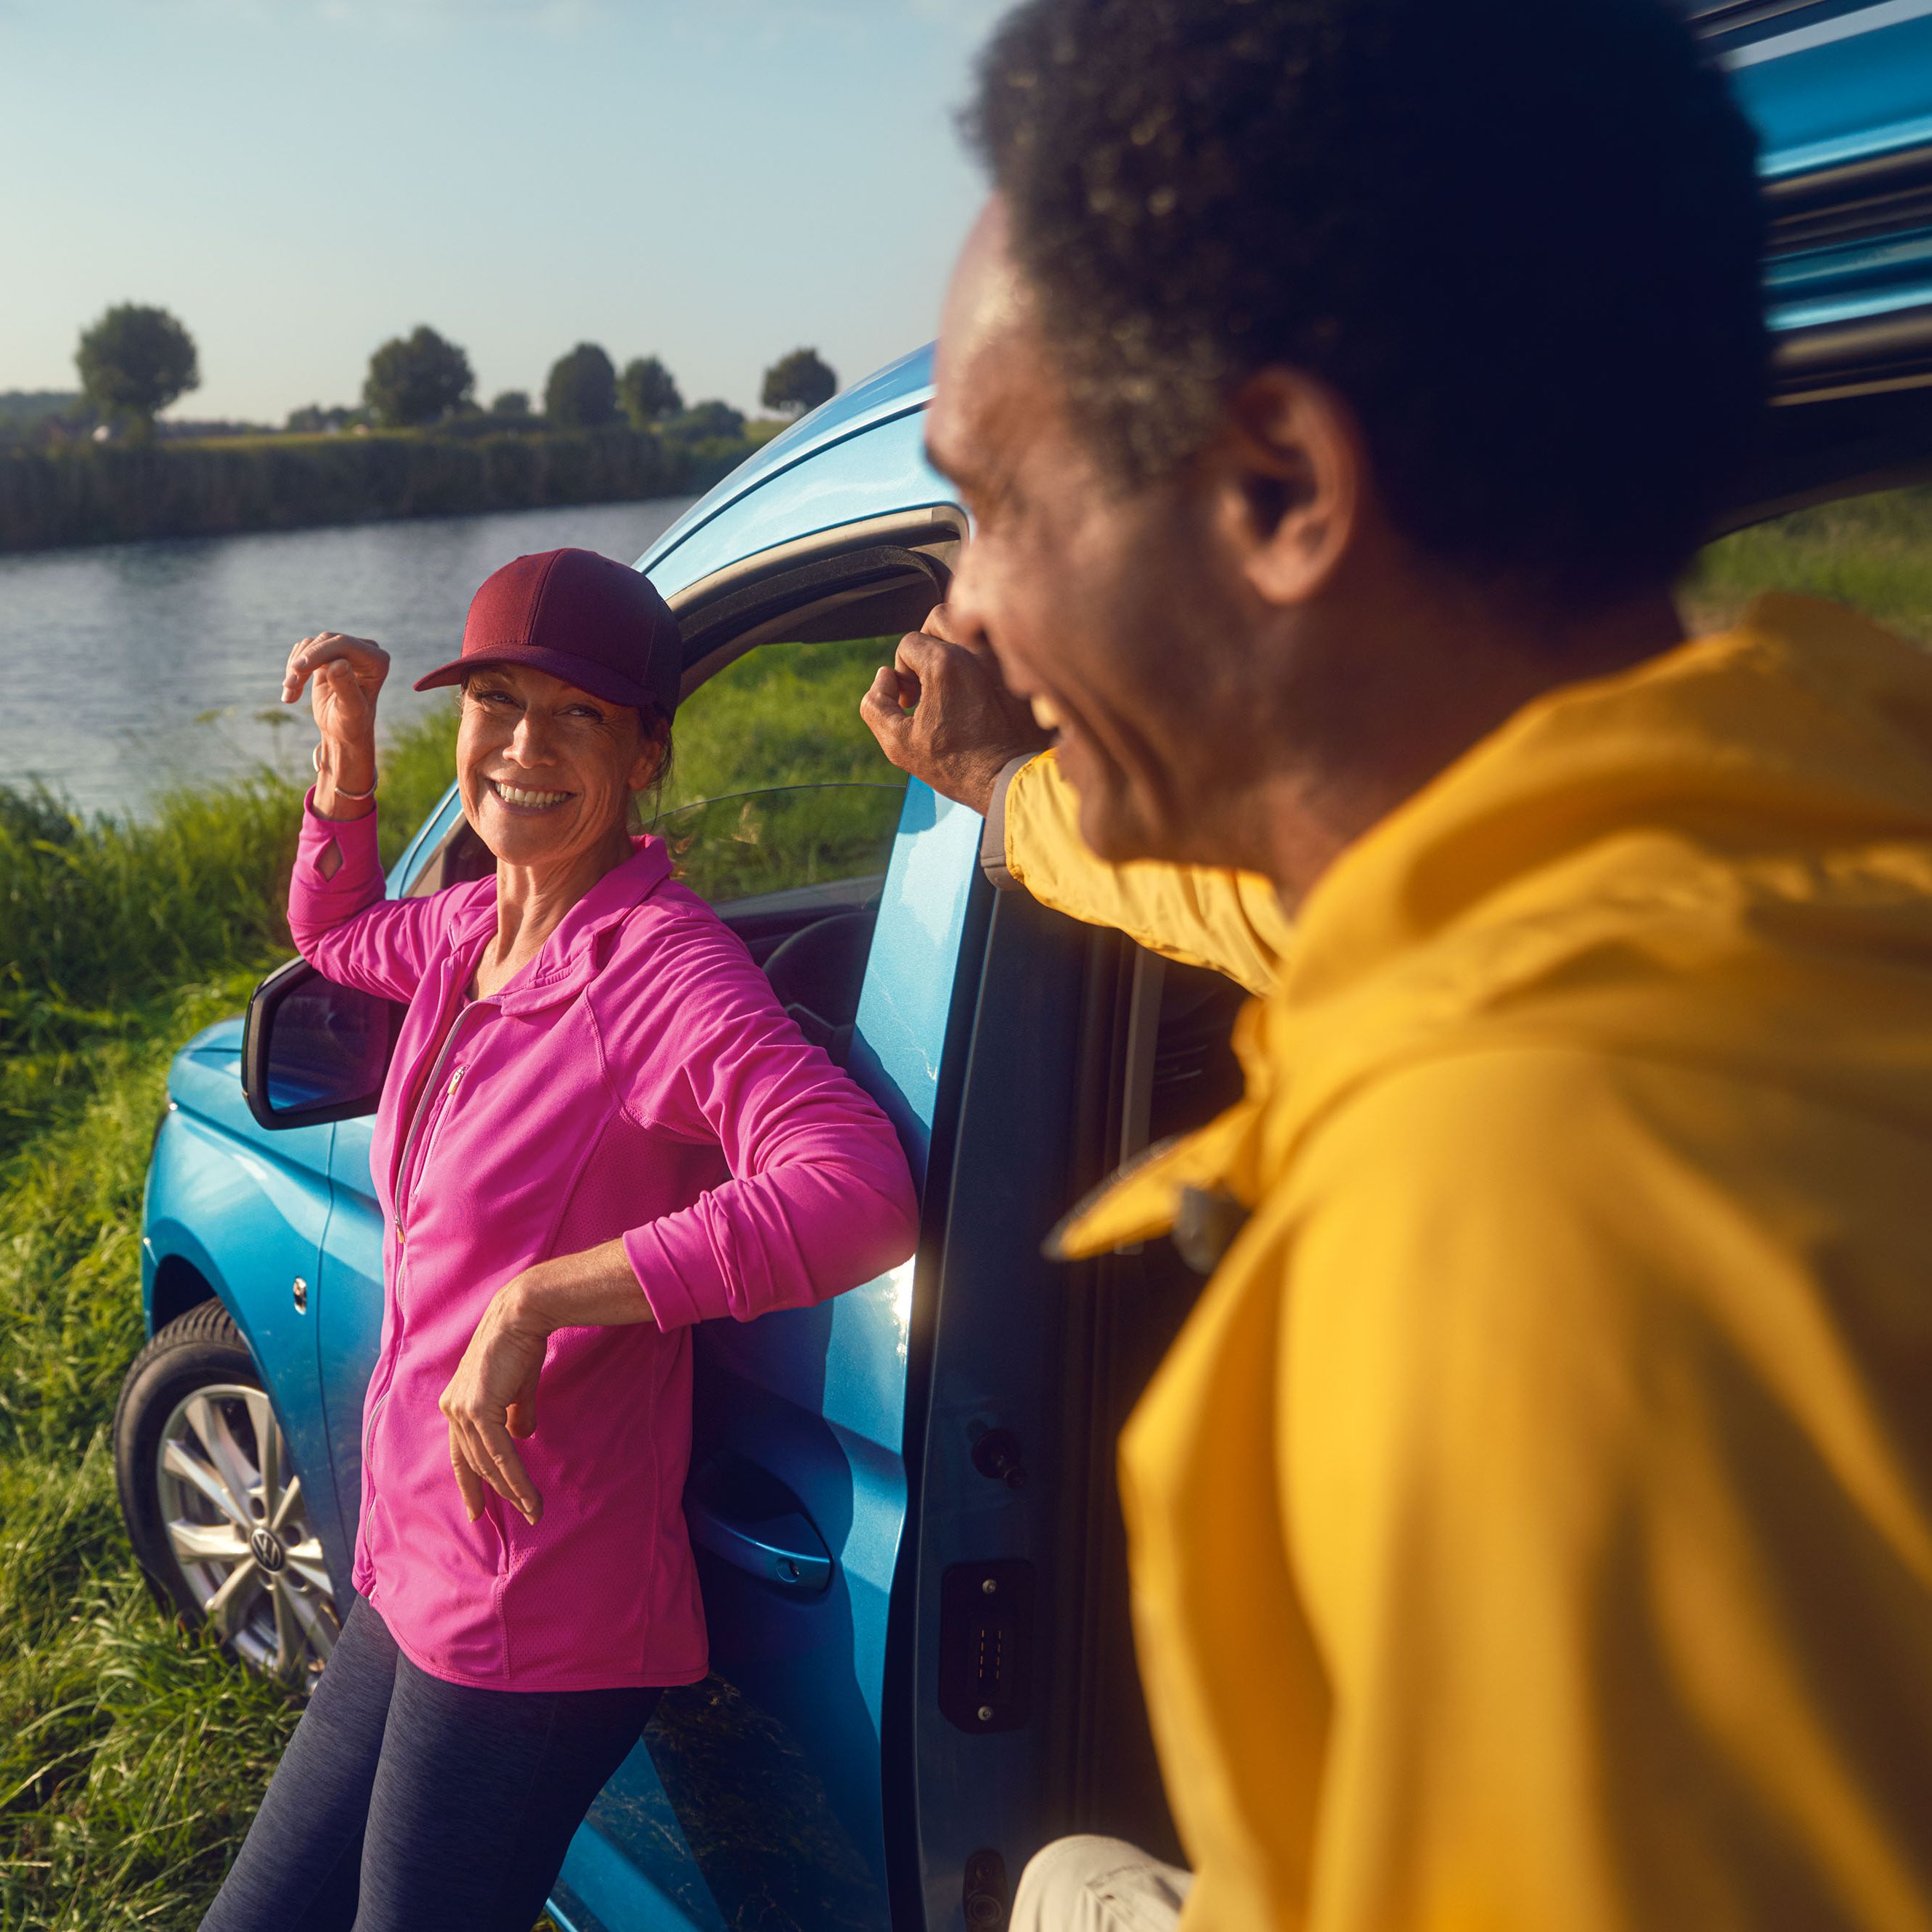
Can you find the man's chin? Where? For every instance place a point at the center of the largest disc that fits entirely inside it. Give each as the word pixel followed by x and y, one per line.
pixel 1113 830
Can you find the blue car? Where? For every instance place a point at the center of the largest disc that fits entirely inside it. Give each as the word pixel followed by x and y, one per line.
pixel 903 1501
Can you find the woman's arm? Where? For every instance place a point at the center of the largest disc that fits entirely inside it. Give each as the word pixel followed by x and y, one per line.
pixel 492 1398
pixel 820 1199
pixel 338 917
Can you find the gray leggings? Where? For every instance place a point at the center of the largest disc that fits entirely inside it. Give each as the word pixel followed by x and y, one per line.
pixel 402 1802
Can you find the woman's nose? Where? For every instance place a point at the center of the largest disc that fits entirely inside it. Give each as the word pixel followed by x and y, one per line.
pixel 530 742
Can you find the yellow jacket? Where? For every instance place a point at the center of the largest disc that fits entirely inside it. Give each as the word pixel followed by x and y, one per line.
pixel 1531 1528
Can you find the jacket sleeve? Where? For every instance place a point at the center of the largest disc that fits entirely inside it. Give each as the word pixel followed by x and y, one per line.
pixel 1201 915
pixel 340 921
pixel 1597 1479
pixel 819 1198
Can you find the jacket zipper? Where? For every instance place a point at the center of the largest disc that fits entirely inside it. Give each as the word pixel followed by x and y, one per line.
pixel 426 1100
pixel 425 1097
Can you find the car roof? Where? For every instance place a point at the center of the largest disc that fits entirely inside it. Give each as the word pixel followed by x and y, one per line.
pixel 899 388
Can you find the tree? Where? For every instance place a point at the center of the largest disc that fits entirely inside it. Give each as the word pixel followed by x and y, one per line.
pixel 648 392
pixel 135 360
pixel 417 379
pixel 313 419
pixel 510 403
pixel 582 391
pixel 703 421
pixel 799 382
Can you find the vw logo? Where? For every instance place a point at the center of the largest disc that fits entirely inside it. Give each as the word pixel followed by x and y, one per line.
pixel 266 1549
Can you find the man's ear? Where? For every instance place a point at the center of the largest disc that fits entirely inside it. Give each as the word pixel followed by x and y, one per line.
pixel 1293 469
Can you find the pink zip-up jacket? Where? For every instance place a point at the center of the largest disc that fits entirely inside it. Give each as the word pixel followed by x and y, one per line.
pixel 637 1078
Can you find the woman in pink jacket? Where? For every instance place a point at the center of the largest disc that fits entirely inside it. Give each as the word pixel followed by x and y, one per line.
pixel 599 1127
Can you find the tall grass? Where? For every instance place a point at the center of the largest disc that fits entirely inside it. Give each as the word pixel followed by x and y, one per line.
pixel 131 1755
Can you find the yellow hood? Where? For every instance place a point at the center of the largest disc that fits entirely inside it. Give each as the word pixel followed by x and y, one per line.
pixel 1693 861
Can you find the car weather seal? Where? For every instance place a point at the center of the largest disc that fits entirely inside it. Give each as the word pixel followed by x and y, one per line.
pixel 1890 351
pixel 1864 199
pixel 1733 24
pixel 925 527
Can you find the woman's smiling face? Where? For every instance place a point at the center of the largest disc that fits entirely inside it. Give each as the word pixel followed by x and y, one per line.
pixel 547 770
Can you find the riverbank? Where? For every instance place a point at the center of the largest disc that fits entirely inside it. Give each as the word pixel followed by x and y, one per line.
pixel 114 493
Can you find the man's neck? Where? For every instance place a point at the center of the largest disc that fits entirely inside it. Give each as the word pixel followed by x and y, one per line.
pixel 1387 733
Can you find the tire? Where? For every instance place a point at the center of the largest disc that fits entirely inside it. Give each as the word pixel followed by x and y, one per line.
pixel 213 1503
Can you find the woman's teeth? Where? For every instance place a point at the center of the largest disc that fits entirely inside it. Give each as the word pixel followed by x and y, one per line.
pixel 516 795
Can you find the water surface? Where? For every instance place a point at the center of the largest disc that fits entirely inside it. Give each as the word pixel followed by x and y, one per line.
pixel 129 667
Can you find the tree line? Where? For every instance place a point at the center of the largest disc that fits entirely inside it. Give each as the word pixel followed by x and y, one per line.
pixel 137 360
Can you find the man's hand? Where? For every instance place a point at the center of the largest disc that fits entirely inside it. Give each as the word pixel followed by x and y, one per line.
pixel 964 727
pixel 491 1398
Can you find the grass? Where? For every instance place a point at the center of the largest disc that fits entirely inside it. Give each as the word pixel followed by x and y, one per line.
pixel 1874 552
pixel 132 1755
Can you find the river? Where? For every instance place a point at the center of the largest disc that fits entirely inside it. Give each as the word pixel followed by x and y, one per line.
pixel 133 667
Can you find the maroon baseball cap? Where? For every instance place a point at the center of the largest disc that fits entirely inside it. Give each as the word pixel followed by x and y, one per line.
pixel 594 622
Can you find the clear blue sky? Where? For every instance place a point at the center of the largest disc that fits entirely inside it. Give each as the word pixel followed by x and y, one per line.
pixel 712 181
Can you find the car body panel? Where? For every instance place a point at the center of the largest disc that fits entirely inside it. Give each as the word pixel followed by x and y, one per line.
pixel 250 1216
pixel 862 455
pixel 1836 88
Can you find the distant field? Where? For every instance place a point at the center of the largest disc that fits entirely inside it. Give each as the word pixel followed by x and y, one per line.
pixel 131 1757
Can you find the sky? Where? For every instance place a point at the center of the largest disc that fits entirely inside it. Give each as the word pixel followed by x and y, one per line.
pixel 711 182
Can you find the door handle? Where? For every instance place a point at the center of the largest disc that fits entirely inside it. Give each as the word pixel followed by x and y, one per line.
pixel 783 1549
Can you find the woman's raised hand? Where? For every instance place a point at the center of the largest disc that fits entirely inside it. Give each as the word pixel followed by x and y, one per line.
pixel 343 675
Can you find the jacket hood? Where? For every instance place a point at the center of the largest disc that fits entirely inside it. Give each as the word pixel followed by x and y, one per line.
pixel 1722 856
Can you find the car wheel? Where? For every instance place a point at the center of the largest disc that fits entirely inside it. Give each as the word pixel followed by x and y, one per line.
pixel 212 1501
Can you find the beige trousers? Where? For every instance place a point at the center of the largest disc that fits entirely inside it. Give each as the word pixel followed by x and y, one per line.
pixel 1098 1884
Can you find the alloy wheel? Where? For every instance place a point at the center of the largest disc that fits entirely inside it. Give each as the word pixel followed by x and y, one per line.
pixel 232 1505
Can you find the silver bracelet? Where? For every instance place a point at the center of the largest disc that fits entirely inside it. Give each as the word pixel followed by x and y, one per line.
pixel 342 790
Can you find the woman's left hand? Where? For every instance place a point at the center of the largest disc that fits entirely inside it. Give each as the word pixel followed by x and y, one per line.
pixel 492 1399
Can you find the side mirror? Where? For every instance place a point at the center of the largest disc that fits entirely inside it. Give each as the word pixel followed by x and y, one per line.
pixel 312 1051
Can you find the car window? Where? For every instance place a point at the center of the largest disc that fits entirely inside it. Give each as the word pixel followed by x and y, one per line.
pixel 775 782
pixel 1872 553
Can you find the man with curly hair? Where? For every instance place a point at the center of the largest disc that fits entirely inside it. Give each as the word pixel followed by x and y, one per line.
pixel 1531 1528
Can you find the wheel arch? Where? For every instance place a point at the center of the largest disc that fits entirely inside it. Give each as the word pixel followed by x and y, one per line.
pixel 179 1286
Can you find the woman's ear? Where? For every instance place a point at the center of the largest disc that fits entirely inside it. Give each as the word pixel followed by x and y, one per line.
pixel 1292 468
pixel 653 753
